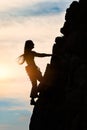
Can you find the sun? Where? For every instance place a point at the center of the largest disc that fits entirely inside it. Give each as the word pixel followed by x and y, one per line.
pixel 4 72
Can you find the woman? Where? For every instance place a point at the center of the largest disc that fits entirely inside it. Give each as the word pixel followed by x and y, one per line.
pixel 32 70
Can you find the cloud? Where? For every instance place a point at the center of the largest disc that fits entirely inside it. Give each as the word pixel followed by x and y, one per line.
pixel 37 9
pixel 5 4
pixel 14 119
pixel 11 116
pixel 11 119
pixel 19 10
pixel 12 104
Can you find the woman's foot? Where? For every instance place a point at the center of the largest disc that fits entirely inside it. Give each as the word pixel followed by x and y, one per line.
pixel 32 102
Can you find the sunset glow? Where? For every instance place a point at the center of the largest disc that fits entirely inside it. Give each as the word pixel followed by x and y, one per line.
pixel 5 72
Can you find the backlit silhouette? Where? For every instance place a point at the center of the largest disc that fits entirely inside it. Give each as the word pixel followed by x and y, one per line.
pixel 32 70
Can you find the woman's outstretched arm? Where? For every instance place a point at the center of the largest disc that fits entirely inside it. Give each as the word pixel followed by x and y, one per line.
pixel 41 54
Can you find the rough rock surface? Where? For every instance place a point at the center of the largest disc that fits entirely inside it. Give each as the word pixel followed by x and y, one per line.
pixel 62 103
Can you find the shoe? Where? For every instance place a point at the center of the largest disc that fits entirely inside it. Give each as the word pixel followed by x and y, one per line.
pixel 32 102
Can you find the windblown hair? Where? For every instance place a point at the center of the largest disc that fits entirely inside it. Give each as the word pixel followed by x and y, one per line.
pixel 21 59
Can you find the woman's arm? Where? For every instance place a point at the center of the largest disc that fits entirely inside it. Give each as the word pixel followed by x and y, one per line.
pixel 41 54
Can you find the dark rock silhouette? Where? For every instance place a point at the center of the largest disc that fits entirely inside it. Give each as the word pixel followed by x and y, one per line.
pixel 62 103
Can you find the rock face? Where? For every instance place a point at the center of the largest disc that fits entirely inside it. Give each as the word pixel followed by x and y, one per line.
pixel 62 103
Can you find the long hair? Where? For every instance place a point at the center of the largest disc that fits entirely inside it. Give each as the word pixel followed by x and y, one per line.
pixel 28 46
pixel 21 59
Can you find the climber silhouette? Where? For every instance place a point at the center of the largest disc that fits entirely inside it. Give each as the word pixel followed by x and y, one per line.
pixel 32 70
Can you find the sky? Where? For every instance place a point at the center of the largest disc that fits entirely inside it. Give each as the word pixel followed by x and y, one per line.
pixel 40 21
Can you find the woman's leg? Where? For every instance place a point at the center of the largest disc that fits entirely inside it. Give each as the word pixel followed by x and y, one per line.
pixel 33 93
pixel 33 80
pixel 34 88
pixel 39 75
